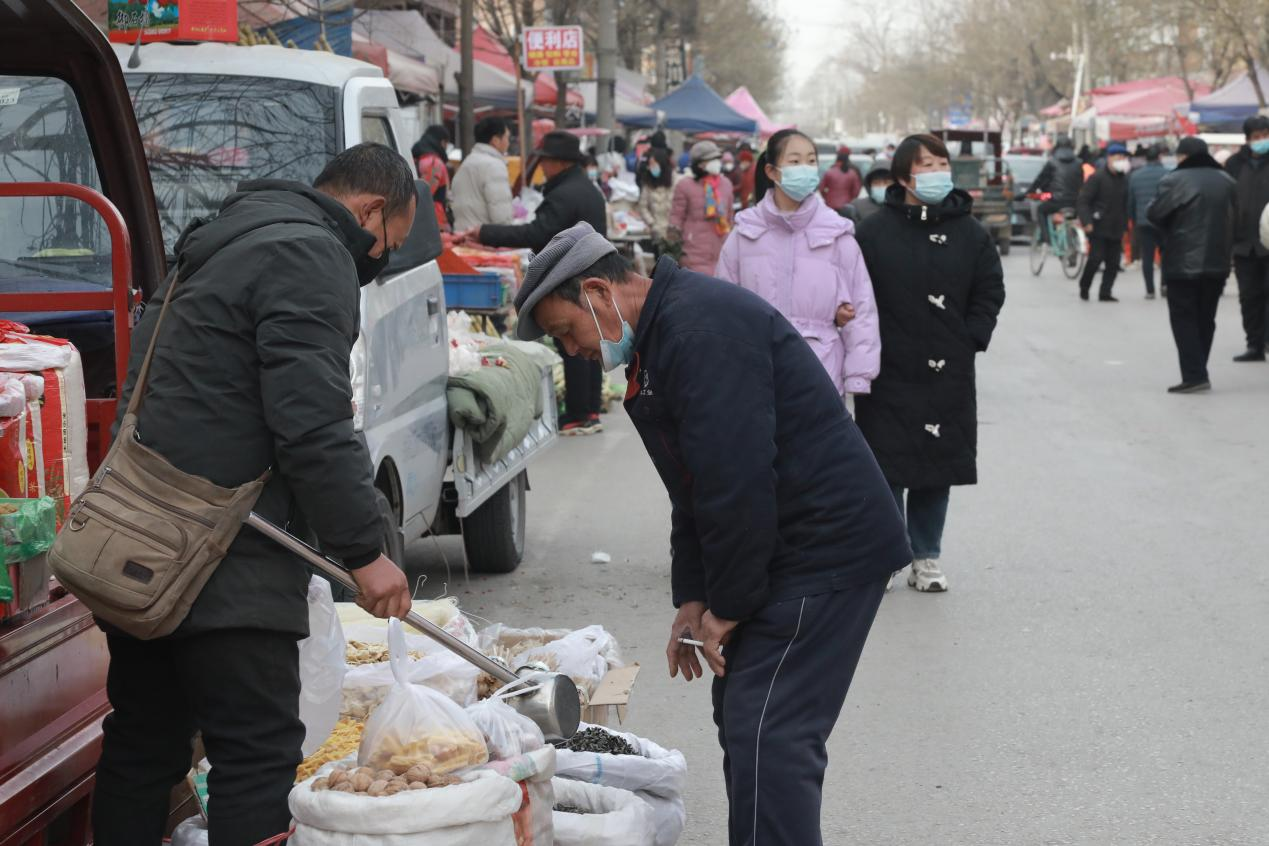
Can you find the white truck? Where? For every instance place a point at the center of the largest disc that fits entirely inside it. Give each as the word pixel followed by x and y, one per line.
pixel 213 115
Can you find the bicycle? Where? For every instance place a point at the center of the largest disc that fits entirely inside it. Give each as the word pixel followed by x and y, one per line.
pixel 1067 242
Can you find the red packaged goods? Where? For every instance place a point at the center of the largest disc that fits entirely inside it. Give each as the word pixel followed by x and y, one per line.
pixel 55 427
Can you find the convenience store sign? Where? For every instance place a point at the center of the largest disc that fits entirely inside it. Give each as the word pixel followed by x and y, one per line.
pixel 552 48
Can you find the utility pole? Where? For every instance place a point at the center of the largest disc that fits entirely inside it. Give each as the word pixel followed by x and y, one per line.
pixel 607 56
pixel 466 80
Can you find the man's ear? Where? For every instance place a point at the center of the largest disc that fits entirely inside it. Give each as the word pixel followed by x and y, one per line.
pixel 370 206
pixel 597 286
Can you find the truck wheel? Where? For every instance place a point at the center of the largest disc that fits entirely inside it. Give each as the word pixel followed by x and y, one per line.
pixel 494 534
pixel 393 543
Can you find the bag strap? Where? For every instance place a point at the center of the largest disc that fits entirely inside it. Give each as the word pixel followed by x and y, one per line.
pixel 143 375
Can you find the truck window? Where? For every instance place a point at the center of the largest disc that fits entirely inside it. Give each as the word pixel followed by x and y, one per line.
pixel 42 139
pixel 378 129
pixel 205 133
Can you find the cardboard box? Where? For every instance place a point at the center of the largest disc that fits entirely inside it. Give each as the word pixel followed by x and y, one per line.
pixel 172 20
pixel 613 694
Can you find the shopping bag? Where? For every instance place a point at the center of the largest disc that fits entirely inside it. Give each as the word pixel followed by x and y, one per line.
pixel 416 725
pixel 322 667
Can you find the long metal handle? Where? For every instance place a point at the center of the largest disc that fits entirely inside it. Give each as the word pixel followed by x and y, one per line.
pixel 340 575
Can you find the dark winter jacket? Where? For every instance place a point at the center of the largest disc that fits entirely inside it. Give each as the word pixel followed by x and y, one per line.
pixel 1104 204
pixel 1234 164
pixel 1195 212
pixel 773 490
pixel 939 286
pixel 1143 186
pixel 568 198
pixel 1253 196
pixel 251 372
pixel 1062 176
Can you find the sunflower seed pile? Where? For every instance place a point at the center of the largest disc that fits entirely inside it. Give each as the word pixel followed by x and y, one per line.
pixel 569 809
pixel 595 739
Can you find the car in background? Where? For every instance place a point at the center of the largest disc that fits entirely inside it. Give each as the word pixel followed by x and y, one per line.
pixel 1025 167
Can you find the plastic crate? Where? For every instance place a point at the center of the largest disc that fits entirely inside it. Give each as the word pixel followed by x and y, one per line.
pixel 473 290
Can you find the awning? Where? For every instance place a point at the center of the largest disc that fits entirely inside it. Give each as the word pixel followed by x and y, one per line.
pixel 744 103
pixel 1231 105
pixel 404 73
pixel 632 97
pixel 695 107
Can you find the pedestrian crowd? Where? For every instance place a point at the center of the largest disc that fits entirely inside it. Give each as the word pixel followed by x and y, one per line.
pixel 1200 219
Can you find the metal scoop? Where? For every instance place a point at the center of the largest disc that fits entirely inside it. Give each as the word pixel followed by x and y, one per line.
pixel 548 699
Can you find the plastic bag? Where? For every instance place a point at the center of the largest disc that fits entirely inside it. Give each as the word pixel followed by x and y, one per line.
pixel 613 817
pixel 322 667
pixel 27 528
pixel 366 685
pixel 191 832
pixel 656 775
pixel 417 725
pixel 585 656
pixel 508 733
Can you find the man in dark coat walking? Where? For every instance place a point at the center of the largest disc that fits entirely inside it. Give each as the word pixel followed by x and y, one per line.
pixel 782 534
pixel 1251 257
pixel 569 197
pixel 1194 210
pixel 251 372
pixel 1143 186
pixel 939 286
pixel 1103 212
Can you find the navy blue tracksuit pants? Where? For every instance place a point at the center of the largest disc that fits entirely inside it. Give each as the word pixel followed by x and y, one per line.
pixel 788 670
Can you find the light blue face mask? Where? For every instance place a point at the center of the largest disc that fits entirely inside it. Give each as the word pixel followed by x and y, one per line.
pixel 933 188
pixel 614 353
pixel 799 181
pixel 878 194
pixel 1260 147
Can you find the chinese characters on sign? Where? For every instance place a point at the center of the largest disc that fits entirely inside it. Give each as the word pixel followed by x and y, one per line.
pixel 552 48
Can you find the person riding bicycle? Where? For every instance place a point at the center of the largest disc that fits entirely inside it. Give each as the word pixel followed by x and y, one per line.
pixel 1063 177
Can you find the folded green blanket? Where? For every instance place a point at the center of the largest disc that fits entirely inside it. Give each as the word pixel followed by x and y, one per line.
pixel 496 405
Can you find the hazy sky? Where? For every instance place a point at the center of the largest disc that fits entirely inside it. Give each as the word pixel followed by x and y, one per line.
pixel 817 29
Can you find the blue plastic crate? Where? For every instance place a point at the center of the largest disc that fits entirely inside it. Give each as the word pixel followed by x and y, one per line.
pixel 473 290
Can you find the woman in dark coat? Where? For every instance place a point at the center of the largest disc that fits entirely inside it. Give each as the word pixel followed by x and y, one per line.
pixel 939 286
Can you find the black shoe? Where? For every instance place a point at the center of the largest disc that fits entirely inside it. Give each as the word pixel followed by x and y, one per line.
pixel 1084 295
pixel 1149 295
pixel 1251 355
pixel 1107 298
pixel 1190 387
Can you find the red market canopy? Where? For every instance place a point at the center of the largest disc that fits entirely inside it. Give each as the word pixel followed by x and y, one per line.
pixel 743 102
pixel 1157 99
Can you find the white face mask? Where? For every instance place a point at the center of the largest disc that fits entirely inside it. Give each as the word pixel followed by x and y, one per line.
pixel 1121 165
pixel 714 166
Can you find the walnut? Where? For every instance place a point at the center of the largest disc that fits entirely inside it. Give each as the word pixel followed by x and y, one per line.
pixel 377 788
pixel 321 784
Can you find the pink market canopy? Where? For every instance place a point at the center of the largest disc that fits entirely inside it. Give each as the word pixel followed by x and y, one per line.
pixel 742 101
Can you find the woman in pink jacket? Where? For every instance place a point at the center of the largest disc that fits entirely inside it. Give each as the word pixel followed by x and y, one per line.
pixel 700 215
pixel 801 256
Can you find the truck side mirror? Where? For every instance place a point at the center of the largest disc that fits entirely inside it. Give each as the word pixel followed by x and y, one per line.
pixel 423 244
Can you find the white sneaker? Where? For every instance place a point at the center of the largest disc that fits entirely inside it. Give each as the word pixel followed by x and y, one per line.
pixel 926 576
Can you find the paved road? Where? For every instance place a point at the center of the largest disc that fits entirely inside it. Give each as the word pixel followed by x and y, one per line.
pixel 1097 673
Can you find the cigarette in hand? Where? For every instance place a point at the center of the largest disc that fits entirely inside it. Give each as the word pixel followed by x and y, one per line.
pixel 687 641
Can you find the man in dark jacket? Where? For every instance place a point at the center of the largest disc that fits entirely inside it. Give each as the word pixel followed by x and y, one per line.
pixel 1234 164
pixel 873 198
pixel 1143 185
pixel 251 373
pixel 783 531
pixel 1103 212
pixel 569 197
pixel 1194 211
pixel 1251 257
pixel 1062 176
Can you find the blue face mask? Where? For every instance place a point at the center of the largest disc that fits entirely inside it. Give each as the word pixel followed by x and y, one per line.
pixel 1260 147
pixel 933 188
pixel 799 181
pixel 614 353
pixel 878 194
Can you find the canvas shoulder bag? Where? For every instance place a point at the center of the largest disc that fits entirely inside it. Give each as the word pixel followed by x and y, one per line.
pixel 141 541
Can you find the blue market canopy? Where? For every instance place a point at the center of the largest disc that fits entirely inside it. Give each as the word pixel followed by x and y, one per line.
pixel 695 107
pixel 1228 107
